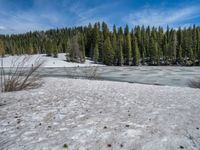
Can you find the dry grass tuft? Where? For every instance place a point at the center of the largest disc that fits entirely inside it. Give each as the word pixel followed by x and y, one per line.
pixel 194 84
pixel 18 76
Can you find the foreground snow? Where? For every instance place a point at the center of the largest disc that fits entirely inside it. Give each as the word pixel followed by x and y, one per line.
pixel 100 115
pixel 48 61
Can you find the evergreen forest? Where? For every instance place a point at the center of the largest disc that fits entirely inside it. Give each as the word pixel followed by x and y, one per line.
pixel 117 46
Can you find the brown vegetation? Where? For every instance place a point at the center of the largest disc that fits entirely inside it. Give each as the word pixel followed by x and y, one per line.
pixel 18 76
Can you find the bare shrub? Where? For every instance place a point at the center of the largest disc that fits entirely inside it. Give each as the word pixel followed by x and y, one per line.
pixel 19 76
pixel 91 73
pixel 194 84
pixel 82 72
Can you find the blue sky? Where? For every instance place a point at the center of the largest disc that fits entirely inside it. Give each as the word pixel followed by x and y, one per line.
pixel 18 16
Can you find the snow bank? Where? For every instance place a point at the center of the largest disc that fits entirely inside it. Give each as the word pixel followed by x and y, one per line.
pixel 48 61
pixel 97 115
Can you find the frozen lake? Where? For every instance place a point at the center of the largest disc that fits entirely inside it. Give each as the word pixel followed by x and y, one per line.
pixel 167 75
pixel 155 75
pixel 159 75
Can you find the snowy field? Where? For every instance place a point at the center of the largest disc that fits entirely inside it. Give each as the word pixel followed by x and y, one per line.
pixel 48 61
pixel 100 115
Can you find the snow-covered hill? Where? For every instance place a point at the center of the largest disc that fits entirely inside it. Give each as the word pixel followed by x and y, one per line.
pixel 10 61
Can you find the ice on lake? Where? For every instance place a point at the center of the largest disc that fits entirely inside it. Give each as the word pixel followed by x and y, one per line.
pixel 159 75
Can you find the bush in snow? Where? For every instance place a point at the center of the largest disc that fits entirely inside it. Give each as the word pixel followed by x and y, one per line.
pixel 18 76
pixel 194 84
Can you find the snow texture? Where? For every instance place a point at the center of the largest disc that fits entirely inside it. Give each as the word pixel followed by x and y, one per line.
pixel 9 61
pixel 100 115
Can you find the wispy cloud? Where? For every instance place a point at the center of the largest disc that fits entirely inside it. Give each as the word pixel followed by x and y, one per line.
pixel 87 15
pixel 51 15
pixel 163 16
pixel 21 22
pixel 37 17
pixel 23 16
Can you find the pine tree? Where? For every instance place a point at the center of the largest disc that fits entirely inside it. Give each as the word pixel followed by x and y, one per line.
pixel 75 51
pixel 95 44
pixel 148 34
pixel 114 44
pixel 136 54
pixel 53 50
pixel 179 46
pixel 119 52
pixel 96 54
pixel 194 41
pixel 180 58
pixel 173 46
pixel 2 48
pixel 105 30
pixel 160 37
pixel 29 48
pixel 55 53
pixel 187 41
pixel 108 52
pixel 88 41
pixel 157 53
pixel 100 47
pixel 68 50
pixel 48 48
pixel 127 47
pixel 143 44
pixel 198 46
pixel 82 47
pixel 154 57
pixel 151 49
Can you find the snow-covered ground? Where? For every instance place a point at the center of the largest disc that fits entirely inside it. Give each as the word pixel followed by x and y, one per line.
pixel 9 61
pixel 100 115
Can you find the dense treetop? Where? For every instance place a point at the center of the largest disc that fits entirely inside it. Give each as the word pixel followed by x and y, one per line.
pixel 139 45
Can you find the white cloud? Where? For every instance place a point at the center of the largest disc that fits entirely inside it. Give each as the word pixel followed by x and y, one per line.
pixel 2 28
pixel 20 23
pixel 162 16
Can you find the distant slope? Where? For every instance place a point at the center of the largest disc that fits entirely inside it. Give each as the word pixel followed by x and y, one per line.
pixel 13 61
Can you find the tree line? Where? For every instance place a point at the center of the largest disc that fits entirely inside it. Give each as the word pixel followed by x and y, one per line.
pixel 119 46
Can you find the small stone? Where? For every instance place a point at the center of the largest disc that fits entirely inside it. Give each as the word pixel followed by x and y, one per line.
pixel 65 146
pixel 109 145
pixel 129 115
pixel 40 124
pixel 121 145
pixel 49 126
pixel 127 125
pixel 197 128
pixel 18 121
pixel 105 127
pixel 181 147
